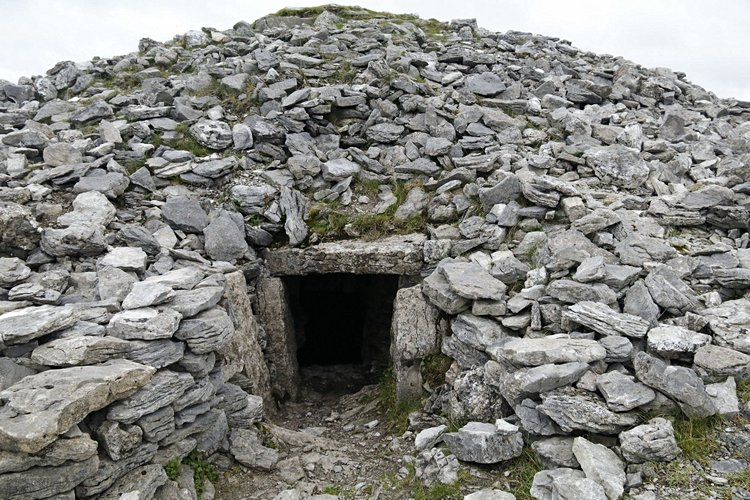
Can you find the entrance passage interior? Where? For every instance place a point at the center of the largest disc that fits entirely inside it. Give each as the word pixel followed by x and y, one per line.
pixel 342 326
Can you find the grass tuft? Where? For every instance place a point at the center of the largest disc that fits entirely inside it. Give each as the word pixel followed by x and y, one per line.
pixel 520 473
pixel 697 437
pixel 396 411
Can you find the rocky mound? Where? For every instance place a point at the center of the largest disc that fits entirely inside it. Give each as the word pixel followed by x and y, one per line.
pixel 584 228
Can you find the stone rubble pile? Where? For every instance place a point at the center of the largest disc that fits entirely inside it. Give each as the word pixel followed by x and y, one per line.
pixel 586 224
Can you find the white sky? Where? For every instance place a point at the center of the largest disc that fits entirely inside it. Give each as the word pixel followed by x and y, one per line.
pixel 708 40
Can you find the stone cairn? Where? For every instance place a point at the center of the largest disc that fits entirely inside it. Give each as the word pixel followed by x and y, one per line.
pixel 585 227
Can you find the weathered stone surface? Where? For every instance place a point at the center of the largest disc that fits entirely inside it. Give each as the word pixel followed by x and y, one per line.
pixel 213 134
pixel 485 443
pixel 605 321
pixel 78 239
pixel 437 289
pixel 47 482
pixel 188 303
pixel 185 214
pixel 225 239
pixel 622 393
pixel 730 323
pixel 156 353
pixel 18 229
pixel 208 331
pixel 679 383
pixel 555 452
pixel 396 255
pixel 146 323
pixel 80 351
pixel 281 349
pixel 414 336
pixel 573 292
pixel 247 449
pixel 40 407
pixel 185 278
pixel 618 165
pixel 519 384
pixel 110 471
pixel 26 324
pixel 601 465
pixel 139 484
pixel 12 270
pixel 650 442
pixel 573 409
pixel 675 342
pixel 147 294
pixel 565 484
pixel 125 258
pixel 714 363
pixel 163 389
pixel 471 281
pixel 117 439
pixel 669 291
pixel 552 349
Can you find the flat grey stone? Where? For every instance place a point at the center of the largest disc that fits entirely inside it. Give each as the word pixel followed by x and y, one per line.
pixel 125 258
pixel 441 294
pixel 601 465
pixel 208 331
pixel 184 278
pixel 163 389
pixel 485 443
pixel 618 165
pixel 679 383
pixel 139 484
pixel 147 294
pixel 156 353
pixel 247 449
pixel 714 363
pixel 26 324
pixel 675 342
pixel 225 239
pixel 12 270
pixel 118 439
pixel 385 132
pixel 185 213
pixel 41 407
pixel 146 323
pixel 111 184
pixel 522 383
pixel 622 393
pixel 650 442
pixel 114 283
pixel 339 169
pixel 191 302
pixel 604 320
pixel 565 484
pixel 555 452
pixel 85 240
pixel 485 84
pixel 542 351
pixel 212 134
pixel 574 409
pixel 471 281
pixel 74 351
pixel 572 292
pixel 670 292
pixel 730 323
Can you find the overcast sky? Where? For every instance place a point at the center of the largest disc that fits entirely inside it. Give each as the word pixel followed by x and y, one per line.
pixel 709 41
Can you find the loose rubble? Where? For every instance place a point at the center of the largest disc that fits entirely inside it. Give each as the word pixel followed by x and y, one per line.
pixel 571 232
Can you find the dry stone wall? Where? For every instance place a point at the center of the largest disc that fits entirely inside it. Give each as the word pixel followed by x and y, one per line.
pixel 581 223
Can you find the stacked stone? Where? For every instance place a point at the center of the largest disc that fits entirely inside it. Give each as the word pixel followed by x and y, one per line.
pixel 117 359
pixel 586 222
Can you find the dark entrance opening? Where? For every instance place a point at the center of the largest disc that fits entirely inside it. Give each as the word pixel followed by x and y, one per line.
pixel 342 326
